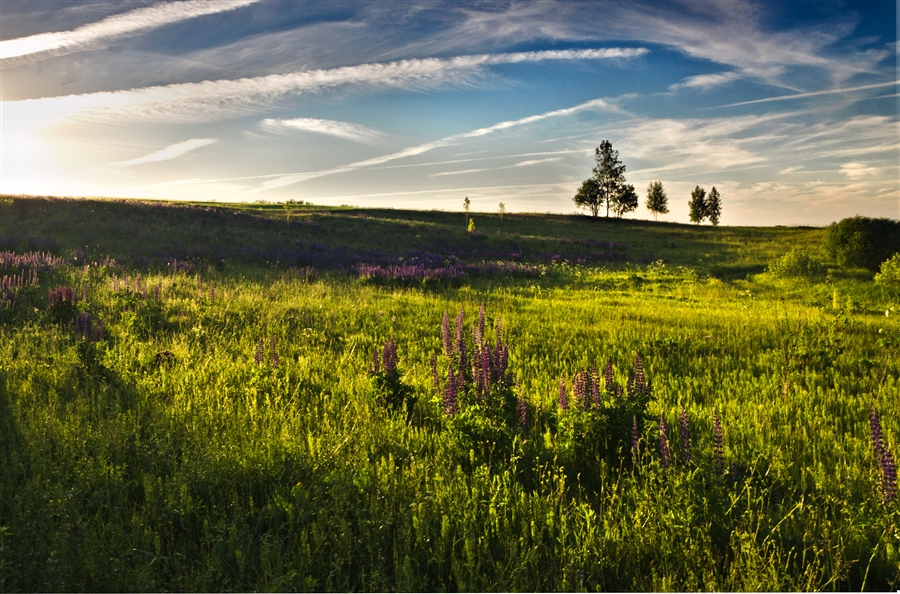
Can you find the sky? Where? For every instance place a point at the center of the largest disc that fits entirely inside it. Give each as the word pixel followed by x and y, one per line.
pixel 790 109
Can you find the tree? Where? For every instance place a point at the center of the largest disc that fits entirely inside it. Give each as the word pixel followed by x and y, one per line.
pixel 625 201
pixel 657 201
pixel 588 196
pixel 502 210
pixel 862 242
pixel 714 206
pixel 697 205
pixel 607 186
pixel 466 204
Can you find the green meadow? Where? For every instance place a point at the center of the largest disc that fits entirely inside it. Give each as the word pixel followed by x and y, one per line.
pixel 206 397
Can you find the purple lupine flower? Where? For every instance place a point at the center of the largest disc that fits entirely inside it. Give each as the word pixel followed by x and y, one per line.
pixel 889 472
pixel 718 443
pixel 664 453
pixel 389 359
pixel 434 375
pixel 608 376
pixel 685 436
pixel 635 437
pixel 563 395
pixel 502 361
pixel 486 376
pixel 273 351
pixel 445 334
pixel 260 352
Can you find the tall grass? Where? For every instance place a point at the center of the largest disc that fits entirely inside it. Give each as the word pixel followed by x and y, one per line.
pixel 173 453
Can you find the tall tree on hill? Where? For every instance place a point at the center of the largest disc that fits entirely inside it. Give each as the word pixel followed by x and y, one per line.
pixel 607 186
pixel 697 205
pixel 657 201
pixel 714 206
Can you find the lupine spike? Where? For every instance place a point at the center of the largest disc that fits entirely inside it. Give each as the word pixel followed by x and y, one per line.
pixel 460 339
pixel 389 359
pixel 635 437
pixel 889 473
pixel 563 395
pixel 481 323
pixel 451 403
pixel 595 386
pixel 718 443
pixel 523 408
pixel 273 351
pixel 260 350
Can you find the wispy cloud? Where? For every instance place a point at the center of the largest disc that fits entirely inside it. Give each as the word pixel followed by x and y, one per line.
pixel 345 130
pixel 527 163
pixel 14 52
pixel 166 154
pixel 881 85
pixel 858 170
pixel 294 178
pixel 705 82
pixel 222 99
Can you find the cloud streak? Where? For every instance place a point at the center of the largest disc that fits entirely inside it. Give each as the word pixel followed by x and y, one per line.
pixel 14 52
pixel 344 130
pixel 166 154
pixel 294 178
pixel 222 99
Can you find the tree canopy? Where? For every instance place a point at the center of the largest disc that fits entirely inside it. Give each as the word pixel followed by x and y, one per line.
pixel 607 186
pixel 657 201
pixel 714 206
pixel 697 205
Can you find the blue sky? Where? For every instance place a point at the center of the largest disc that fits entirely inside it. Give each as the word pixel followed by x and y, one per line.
pixel 789 108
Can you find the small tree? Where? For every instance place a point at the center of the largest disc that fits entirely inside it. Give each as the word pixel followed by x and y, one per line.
pixel 607 186
pixel 697 205
pixel 657 201
pixel 625 201
pixel 466 204
pixel 502 210
pixel 714 206
pixel 588 196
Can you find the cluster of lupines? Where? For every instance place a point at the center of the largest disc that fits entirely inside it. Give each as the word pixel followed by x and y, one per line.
pixel 884 459
pixel 386 361
pixel 259 355
pixel 31 260
pixel 86 329
pixel 409 272
pixel 485 373
pixel 586 387
pixel 665 439
pixel 10 285
pixel 63 296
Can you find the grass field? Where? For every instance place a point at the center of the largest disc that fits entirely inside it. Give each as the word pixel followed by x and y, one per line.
pixel 188 401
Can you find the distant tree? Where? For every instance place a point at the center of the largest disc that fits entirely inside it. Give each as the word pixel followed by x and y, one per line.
pixel 714 206
pixel 657 201
pixel 607 186
pixel 466 204
pixel 625 201
pixel 588 196
pixel 502 210
pixel 697 205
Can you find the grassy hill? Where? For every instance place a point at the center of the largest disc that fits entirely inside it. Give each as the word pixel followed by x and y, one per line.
pixel 251 397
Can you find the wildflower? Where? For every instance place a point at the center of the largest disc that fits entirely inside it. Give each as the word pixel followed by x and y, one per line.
pixel 273 352
pixel 451 404
pixel 260 351
pixel 523 410
pixel 718 443
pixel 389 359
pixel 445 334
pixel 635 436
pixel 608 376
pixel 889 471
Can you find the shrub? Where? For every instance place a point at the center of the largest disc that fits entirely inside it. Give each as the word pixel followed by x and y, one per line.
pixel 890 271
pixel 861 242
pixel 797 263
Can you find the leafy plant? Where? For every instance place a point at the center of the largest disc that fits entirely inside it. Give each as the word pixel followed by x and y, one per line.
pixel 889 274
pixel 862 242
pixel 797 263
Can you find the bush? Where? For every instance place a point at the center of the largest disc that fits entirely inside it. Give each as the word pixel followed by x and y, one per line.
pixel 861 242
pixel 890 271
pixel 797 263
